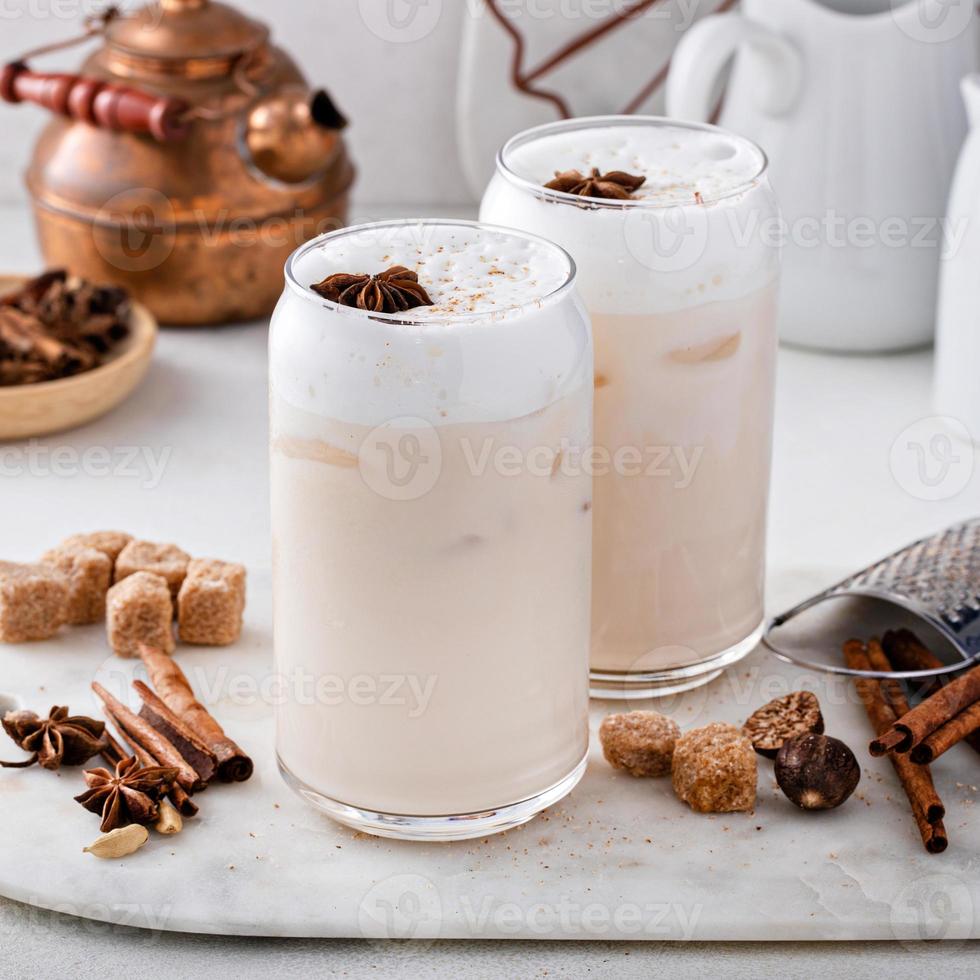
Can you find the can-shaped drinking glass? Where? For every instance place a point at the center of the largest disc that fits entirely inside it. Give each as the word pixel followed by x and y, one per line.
pixel 680 277
pixel 431 527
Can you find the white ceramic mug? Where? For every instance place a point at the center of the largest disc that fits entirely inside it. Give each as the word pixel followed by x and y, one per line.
pixel 855 102
pixel 957 394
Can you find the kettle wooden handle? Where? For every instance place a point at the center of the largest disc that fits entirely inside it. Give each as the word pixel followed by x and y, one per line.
pixel 96 102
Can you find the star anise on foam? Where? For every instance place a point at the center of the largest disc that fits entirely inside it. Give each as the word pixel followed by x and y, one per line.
pixel 616 184
pixel 54 741
pixel 393 291
pixel 130 795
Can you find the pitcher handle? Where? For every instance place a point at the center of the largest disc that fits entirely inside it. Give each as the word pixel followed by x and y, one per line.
pixel 970 86
pixel 709 45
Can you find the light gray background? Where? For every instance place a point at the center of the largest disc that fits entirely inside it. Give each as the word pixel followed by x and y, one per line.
pixel 399 94
pixel 43 945
pixel 400 97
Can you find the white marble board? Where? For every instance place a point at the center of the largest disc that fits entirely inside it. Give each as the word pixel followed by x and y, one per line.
pixel 620 858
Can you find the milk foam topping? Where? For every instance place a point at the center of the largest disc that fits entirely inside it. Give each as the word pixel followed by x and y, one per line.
pixel 700 229
pixel 505 335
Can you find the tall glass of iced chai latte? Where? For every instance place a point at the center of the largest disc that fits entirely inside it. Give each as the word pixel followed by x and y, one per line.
pixel 431 536
pixel 675 231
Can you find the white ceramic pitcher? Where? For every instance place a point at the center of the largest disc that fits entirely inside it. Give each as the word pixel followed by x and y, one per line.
pixel 856 103
pixel 957 395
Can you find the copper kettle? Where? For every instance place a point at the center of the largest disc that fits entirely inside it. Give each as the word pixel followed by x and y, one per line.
pixel 186 160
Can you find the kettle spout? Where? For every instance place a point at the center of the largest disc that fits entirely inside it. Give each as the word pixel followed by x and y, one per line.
pixel 324 111
pixel 294 135
pixel 971 96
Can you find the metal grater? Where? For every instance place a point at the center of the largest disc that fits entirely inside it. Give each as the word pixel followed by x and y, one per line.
pixel 936 579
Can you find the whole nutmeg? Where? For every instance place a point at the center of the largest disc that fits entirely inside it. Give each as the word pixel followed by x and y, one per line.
pixel 782 719
pixel 816 772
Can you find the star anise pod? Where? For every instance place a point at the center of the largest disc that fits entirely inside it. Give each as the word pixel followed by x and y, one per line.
pixel 131 795
pixel 54 741
pixel 393 291
pixel 616 184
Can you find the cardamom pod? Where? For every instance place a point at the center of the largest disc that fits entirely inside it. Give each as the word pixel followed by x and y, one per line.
pixel 170 821
pixel 120 842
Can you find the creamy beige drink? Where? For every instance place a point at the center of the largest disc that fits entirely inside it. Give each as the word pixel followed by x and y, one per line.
pixel 432 549
pixel 680 280
pixel 694 521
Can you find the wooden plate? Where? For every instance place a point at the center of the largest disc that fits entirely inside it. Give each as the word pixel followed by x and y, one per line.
pixel 51 406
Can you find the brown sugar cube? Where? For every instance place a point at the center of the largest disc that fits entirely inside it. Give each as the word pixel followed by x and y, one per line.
pixel 89 574
pixel 33 602
pixel 139 610
pixel 166 560
pixel 110 543
pixel 210 602
pixel 641 742
pixel 714 769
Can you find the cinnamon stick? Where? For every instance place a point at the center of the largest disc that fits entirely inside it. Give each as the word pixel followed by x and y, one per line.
pixel 935 711
pixel 180 799
pixel 888 701
pixel 889 741
pixel 175 691
pixel 178 795
pixel 113 752
pixel 905 651
pixel 890 687
pixel 186 742
pixel 135 729
pixel 927 808
pixel 958 728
